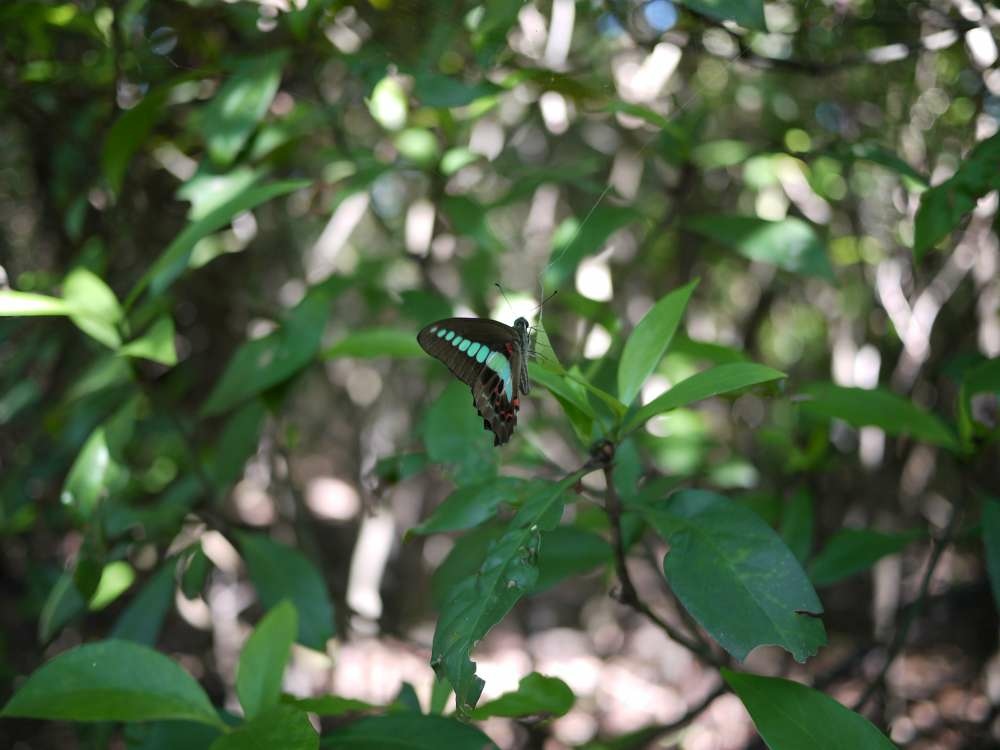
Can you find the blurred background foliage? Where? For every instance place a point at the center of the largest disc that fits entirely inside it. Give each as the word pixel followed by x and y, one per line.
pixel 223 223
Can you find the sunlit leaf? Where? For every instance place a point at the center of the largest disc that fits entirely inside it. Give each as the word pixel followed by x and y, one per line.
pixel 851 551
pixel 279 572
pixel 791 244
pixel 111 681
pixel 116 578
pixel 536 695
pixel 735 576
pixel 713 382
pixel 93 306
pixel 792 716
pixel 263 659
pixel 861 407
pixel 650 339
pixel 156 344
pixel 16 304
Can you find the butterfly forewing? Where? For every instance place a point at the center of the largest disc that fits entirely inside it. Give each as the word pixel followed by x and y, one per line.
pixel 488 356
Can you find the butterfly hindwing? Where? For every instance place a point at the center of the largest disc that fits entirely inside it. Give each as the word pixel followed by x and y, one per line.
pixel 489 357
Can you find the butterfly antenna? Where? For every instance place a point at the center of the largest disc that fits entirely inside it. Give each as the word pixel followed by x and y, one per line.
pixel 504 294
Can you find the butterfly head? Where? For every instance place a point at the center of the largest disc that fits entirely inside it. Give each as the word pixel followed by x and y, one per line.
pixel 521 325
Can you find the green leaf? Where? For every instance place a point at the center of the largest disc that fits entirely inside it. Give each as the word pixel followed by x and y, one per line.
pixel 453 434
pixel 99 471
pixel 142 619
pixel 265 362
pixel 232 115
pixel 470 506
pixel 884 157
pixel 568 390
pixel 388 104
pixel 713 382
pixel 283 726
pixel 733 573
pixel 116 578
pixel 263 659
pixel 982 378
pixel 797 525
pixel 568 551
pixel 129 132
pixel 375 342
pixel 193 567
pixel 991 543
pixel 156 344
pixel 279 572
pixel 435 90
pixel 92 306
pixel 944 206
pixel 650 339
pixel 479 602
pixel 860 407
pixel 330 705
pixel 747 13
pixel 536 695
pixel 407 730
pixel 576 239
pixel 791 716
pixel 851 551
pixel 168 735
pixel 18 304
pixel 63 603
pixel 111 681
pixel 174 260
pixel 791 244
pixel 237 442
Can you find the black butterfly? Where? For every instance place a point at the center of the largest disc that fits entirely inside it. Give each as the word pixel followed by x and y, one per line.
pixel 492 358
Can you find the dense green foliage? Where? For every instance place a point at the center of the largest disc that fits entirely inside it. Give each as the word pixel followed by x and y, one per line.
pixel 768 379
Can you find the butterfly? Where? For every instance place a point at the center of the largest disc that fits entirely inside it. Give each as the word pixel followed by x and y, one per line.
pixel 491 358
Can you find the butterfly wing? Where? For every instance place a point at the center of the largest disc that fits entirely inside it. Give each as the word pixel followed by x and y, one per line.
pixel 485 354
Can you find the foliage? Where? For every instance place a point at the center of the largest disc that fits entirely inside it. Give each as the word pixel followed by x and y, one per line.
pixel 773 360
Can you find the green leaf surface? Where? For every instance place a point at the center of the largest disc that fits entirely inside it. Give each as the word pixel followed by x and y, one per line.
pixel 792 716
pixel 454 435
pixel 944 206
pixel 63 603
pixel 375 342
pixel 129 132
pixel 174 260
pixel 285 727
pixel 733 573
pixel 156 344
pixel 237 442
pixel 479 602
pixel 18 304
pixel 193 567
pixel 407 730
pixel 99 471
pixel 747 13
pixel 647 343
pixel 860 407
pixel 278 573
pixel 568 551
pixel 851 551
pixel 884 157
pixel 797 525
pixel 142 619
pixel 92 306
pixel 169 735
pixel 576 239
pixel 536 695
pixel 434 90
pixel 330 705
pixel 991 543
pixel 263 659
pixel 265 362
pixel 713 382
pixel 470 506
pixel 111 681
pixel 791 244
pixel 116 578
pixel 240 104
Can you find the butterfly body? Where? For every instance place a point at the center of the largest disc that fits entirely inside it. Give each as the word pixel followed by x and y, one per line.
pixel 491 358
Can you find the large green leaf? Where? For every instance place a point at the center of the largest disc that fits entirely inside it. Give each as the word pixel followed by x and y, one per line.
pixel 748 13
pixel 92 306
pixel 568 551
pixel 285 727
pixel 407 730
pixel 713 382
pixel 111 681
pixel 791 244
pixel 944 206
pixel 453 435
pixel 736 577
pixel 861 407
pixel 472 505
pixel 375 342
pixel 792 716
pixel 173 261
pixel 279 572
pixel 575 239
pixel 263 659
pixel 851 551
pixel 650 339
pixel 479 602
pixel 265 362
pixel 240 104
pixel 991 542
pixel 536 694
